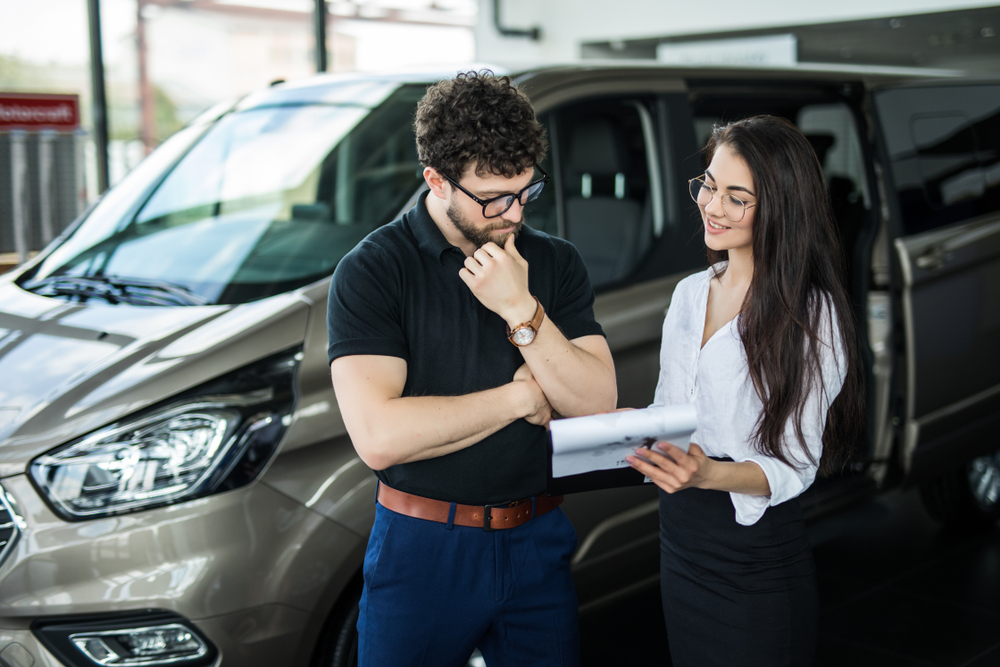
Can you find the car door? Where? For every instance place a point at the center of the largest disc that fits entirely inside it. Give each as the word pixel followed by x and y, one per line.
pixel 616 196
pixel 941 144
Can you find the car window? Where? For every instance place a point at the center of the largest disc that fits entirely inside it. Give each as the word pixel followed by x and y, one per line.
pixel 602 199
pixel 270 199
pixel 944 151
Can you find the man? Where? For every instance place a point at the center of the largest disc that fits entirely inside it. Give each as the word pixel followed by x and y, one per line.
pixel 467 550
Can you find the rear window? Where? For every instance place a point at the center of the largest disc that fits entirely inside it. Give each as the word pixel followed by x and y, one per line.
pixel 944 151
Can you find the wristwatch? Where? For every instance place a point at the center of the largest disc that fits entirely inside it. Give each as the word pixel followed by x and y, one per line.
pixel 523 334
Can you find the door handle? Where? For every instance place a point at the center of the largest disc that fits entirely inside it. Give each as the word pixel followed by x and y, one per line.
pixel 932 259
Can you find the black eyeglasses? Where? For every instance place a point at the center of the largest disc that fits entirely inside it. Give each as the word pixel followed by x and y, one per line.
pixel 497 206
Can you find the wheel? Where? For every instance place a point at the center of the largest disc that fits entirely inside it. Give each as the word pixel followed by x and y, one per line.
pixel 339 647
pixel 984 484
pixel 967 496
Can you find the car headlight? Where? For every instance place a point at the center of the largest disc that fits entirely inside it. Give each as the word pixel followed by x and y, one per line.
pixel 216 437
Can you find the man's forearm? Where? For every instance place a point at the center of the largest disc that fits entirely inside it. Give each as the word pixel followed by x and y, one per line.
pixel 576 381
pixel 399 430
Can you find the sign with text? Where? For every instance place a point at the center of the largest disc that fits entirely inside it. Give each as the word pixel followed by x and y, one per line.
pixel 28 111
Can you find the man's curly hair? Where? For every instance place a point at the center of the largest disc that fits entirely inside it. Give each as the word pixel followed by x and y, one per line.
pixel 478 117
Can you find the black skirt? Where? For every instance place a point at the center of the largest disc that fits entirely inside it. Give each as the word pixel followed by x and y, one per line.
pixel 736 595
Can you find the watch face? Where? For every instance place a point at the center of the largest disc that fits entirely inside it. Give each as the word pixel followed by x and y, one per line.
pixel 523 336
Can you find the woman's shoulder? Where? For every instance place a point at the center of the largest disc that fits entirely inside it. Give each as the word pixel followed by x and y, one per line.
pixel 693 284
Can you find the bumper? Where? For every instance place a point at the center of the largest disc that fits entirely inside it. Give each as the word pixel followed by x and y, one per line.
pixel 253 570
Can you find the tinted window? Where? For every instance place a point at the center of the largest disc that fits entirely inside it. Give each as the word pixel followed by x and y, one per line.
pixel 944 148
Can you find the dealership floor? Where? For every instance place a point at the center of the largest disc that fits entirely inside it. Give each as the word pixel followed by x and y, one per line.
pixel 895 590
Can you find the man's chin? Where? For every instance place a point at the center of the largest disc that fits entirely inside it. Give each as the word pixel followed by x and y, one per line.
pixel 500 238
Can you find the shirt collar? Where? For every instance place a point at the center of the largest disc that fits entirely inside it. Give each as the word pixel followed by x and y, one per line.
pixel 429 238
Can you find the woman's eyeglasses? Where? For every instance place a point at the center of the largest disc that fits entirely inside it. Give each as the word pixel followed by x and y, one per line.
pixel 702 193
pixel 497 206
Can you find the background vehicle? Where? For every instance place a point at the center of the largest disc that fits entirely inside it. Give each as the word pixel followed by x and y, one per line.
pixel 170 440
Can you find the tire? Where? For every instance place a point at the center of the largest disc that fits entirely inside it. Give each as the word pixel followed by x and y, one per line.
pixel 968 496
pixel 339 644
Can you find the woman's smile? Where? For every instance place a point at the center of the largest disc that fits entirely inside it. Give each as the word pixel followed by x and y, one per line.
pixel 714 228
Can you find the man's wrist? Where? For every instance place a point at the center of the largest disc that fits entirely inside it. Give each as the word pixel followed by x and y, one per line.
pixel 521 312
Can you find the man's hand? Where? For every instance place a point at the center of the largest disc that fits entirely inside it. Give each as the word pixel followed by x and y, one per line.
pixel 541 411
pixel 498 277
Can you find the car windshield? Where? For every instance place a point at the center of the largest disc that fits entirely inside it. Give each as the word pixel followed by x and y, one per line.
pixel 267 200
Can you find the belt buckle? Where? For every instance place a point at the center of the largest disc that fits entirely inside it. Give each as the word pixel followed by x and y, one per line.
pixel 488 515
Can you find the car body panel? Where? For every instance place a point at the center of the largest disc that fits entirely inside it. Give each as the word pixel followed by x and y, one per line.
pixel 939 143
pixel 89 366
pixel 200 558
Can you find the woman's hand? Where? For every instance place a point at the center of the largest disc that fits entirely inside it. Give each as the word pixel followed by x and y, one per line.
pixel 671 468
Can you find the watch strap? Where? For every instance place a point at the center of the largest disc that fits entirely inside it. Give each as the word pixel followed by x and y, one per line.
pixel 534 324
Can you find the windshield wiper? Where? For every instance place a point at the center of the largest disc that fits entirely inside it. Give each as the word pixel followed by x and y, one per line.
pixel 118 290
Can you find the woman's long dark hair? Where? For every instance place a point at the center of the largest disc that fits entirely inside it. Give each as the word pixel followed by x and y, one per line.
pixel 797 259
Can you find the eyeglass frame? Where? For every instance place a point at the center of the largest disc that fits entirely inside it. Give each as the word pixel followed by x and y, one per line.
pixel 701 179
pixel 514 197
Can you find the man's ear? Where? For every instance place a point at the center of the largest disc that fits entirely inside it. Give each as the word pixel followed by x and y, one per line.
pixel 435 181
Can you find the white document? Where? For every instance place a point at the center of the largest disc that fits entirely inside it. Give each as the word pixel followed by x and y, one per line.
pixel 601 442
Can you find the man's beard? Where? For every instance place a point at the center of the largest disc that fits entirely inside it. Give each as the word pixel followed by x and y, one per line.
pixel 480 236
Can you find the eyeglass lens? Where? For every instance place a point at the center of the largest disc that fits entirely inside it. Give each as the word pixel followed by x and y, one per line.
pixel 498 207
pixel 702 193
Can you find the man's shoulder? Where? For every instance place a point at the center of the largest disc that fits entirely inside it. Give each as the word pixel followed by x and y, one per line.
pixel 390 242
pixel 533 240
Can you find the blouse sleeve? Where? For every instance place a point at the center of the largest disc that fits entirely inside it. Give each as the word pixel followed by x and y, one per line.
pixel 787 482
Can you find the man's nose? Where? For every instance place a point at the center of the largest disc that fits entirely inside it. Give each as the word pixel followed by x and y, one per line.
pixel 514 213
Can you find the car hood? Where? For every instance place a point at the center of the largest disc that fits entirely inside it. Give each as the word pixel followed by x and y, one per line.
pixel 69 368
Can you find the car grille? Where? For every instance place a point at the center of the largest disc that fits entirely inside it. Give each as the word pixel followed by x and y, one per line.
pixel 10 528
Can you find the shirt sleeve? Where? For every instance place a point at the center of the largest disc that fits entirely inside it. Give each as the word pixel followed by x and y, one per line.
pixel 573 311
pixel 787 482
pixel 363 310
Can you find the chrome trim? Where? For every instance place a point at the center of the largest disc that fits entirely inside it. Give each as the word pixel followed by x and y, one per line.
pixel 912 429
pixel 965 403
pixel 655 179
pixel 140 660
pixel 613 522
pixel 15 525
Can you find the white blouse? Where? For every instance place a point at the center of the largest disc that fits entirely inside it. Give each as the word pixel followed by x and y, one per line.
pixel 716 379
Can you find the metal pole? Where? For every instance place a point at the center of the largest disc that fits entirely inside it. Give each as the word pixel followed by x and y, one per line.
pixel 80 173
pixel 531 33
pixel 319 21
pixel 45 191
pixel 147 111
pixel 19 191
pixel 100 101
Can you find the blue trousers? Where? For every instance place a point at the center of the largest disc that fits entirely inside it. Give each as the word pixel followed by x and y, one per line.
pixel 434 592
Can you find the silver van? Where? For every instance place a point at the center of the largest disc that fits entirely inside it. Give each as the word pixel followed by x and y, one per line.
pixel 177 484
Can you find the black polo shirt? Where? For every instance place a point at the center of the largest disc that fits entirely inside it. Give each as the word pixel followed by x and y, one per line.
pixel 398 294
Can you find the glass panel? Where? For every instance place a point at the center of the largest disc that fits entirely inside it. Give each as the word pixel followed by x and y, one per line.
pixel 167 62
pixel 44 50
pixel 268 200
pixel 945 158
pixel 605 186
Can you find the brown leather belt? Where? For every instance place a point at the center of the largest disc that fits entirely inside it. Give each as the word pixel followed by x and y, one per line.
pixel 488 517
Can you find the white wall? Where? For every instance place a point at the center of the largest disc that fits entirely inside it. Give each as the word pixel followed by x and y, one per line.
pixel 566 24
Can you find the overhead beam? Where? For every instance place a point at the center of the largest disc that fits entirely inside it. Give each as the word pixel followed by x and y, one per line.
pixel 359 14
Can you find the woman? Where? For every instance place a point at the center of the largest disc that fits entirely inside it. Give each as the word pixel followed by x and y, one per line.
pixel 762 342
